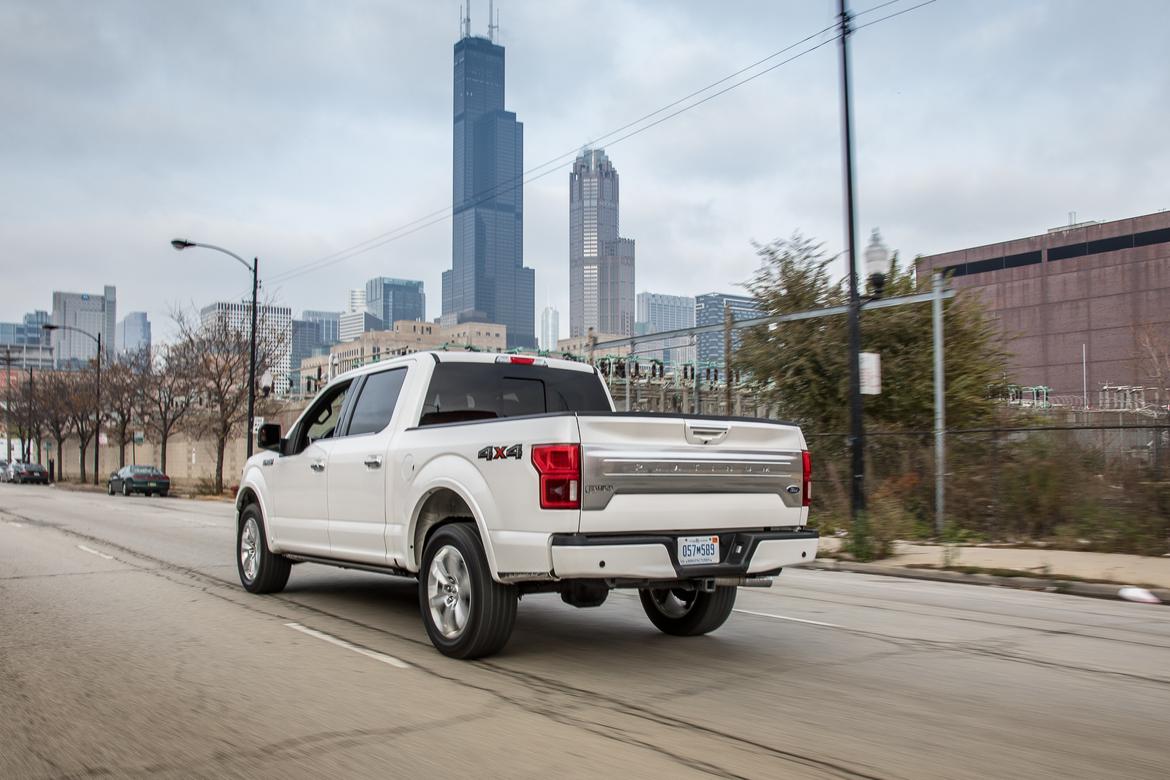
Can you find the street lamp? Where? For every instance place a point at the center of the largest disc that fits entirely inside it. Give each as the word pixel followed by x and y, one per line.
pixel 97 433
pixel 877 263
pixel 180 244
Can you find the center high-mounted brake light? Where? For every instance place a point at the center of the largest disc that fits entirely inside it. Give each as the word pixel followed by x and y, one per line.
pixel 806 479
pixel 559 466
pixel 521 360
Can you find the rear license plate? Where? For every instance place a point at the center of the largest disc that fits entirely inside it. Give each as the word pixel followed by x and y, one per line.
pixel 698 549
pixel 153 484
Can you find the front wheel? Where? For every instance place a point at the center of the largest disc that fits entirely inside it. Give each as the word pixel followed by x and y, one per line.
pixel 261 570
pixel 110 488
pixel 467 614
pixel 681 612
pixel 126 489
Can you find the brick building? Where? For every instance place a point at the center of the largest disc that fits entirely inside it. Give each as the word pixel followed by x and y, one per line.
pixel 1077 292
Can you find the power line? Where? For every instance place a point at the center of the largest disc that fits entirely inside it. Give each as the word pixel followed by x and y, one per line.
pixel 514 182
pixel 531 175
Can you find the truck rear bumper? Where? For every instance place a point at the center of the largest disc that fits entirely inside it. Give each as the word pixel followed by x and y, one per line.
pixel 655 557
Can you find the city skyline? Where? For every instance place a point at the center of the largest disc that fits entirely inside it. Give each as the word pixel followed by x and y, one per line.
pixel 132 168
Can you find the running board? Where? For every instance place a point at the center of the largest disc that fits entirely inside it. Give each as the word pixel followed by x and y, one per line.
pixel 370 567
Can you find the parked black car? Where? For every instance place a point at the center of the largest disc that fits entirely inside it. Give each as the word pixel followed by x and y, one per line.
pixel 139 479
pixel 23 473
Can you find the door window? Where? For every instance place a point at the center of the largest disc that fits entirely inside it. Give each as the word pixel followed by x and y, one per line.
pixel 322 419
pixel 375 404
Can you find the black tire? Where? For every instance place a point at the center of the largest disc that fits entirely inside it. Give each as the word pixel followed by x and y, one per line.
pixel 162 494
pixel 110 488
pixel 271 570
pixel 490 608
pixel 681 612
pixel 126 489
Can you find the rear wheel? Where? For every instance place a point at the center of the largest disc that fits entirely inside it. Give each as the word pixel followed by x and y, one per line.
pixel 261 570
pixel 126 489
pixel 681 612
pixel 467 614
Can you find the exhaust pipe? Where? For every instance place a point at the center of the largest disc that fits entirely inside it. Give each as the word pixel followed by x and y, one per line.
pixel 735 582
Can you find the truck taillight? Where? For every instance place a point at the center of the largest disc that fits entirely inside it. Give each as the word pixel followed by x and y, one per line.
pixel 559 466
pixel 806 480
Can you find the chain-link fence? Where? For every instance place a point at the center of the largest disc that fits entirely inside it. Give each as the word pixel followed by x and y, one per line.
pixel 1077 481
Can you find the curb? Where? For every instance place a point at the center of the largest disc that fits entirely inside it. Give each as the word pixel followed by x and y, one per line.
pixel 1098 590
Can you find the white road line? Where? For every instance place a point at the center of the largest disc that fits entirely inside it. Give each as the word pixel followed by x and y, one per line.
pixel 92 551
pixel 14 525
pixel 785 617
pixel 386 659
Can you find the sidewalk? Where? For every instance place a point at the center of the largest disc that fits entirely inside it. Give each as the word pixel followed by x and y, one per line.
pixel 1017 567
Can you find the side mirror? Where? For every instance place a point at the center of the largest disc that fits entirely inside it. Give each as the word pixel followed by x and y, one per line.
pixel 268 437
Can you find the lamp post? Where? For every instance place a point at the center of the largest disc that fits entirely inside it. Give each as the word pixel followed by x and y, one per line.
pixel 180 244
pixel 97 432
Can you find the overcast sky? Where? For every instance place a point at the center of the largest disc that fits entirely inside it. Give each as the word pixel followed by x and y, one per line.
pixel 294 130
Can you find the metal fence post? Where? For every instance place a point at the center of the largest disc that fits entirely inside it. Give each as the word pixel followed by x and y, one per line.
pixel 940 423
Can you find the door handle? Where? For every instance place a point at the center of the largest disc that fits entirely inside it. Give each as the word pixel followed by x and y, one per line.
pixel 373 462
pixel 317 466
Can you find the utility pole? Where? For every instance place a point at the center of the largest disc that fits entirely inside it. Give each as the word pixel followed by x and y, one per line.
pixel 856 426
pixel 727 320
pixel 251 435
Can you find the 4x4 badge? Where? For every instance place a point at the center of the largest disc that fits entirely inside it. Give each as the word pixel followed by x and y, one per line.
pixel 492 452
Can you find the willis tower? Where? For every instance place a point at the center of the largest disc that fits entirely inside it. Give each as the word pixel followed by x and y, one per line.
pixel 487 281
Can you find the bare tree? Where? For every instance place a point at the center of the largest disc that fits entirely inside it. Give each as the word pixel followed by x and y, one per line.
pixel 80 403
pixel 121 395
pixel 52 409
pixel 220 356
pixel 167 393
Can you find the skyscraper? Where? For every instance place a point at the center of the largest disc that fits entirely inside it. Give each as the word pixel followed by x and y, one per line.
pixel 709 311
pixel 133 333
pixel 92 314
pixel 391 300
pixel 550 328
pixel 274 327
pixel 601 264
pixel 327 321
pixel 487 281
pixel 658 313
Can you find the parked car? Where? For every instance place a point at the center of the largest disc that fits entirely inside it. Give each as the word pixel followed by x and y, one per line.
pixel 139 479
pixel 24 473
pixel 3 470
pixel 487 477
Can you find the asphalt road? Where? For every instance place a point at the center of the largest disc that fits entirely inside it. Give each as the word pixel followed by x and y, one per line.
pixel 128 648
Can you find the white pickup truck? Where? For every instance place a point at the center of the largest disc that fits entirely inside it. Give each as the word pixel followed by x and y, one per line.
pixel 487 477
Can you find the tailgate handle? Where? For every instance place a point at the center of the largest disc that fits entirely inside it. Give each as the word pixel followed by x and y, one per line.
pixel 707 433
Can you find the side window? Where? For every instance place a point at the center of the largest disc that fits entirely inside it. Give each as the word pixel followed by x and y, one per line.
pixel 322 420
pixel 375 405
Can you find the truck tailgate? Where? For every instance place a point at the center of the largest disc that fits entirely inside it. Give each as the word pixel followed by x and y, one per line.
pixel 675 473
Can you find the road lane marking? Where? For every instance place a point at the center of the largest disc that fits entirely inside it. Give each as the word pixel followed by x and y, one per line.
pixel 14 525
pixel 785 617
pixel 92 551
pixel 386 659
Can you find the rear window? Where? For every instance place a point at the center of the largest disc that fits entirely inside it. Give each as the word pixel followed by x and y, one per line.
pixel 485 391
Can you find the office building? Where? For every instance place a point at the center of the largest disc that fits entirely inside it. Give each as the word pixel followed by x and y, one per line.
pixel 550 328
pixel 274 327
pixel 658 313
pixel 92 314
pixel 487 281
pixel 391 300
pixel 354 323
pixel 1068 304
pixel 709 311
pixel 133 334
pixel 26 344
pixel 601 263
pixel 327 322
pixel 357 299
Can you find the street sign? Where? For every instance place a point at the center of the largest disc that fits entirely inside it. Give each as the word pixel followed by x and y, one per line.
pixel 871 373
pixel 256 423
pixel 139 437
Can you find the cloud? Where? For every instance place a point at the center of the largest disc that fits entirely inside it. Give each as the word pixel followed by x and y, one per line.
pixel 293 130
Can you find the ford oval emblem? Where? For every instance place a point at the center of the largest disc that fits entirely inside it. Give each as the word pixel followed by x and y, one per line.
pixel 793 489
